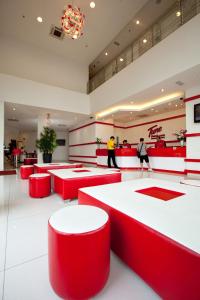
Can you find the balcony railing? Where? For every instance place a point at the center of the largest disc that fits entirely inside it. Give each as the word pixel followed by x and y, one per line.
pixel 177 16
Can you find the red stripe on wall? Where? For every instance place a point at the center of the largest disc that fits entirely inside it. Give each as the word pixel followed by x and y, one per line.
pixel 127 127
pixel 89 124
pixel 192 98
pixel 86 156
pixel 192 171
pixel 155 121
pixel 192 160
pixel 192 134
pixel 86 144
pixel 86 162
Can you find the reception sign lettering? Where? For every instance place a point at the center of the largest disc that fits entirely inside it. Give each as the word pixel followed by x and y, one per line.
pixel 155 131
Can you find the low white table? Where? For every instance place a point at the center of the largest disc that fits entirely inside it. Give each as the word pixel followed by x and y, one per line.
pixel 43 168
pixel 67 182
pixel 158 239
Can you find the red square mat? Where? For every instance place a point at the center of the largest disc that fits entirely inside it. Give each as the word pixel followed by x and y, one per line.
pixel 80 171
pixel 160 193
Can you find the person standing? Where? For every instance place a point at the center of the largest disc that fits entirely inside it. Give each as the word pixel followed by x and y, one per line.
pixel 126 144
pixel 142 154
pixel 160 143
pixel 111 152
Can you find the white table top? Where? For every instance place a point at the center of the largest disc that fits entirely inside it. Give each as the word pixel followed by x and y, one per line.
pixel 178 219
pixel 39 175
pixel 78 219
pixel 26 166
pixel 72 173
pixel 56 165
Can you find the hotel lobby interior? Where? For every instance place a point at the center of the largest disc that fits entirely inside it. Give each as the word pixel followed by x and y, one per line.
pixel 84 84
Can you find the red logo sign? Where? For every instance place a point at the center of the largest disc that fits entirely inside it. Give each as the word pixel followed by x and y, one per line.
pixel 155 131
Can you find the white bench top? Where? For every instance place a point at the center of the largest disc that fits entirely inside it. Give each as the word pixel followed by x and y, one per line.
pixel 78 219
pixel 84 172
pixel 178 219
pixel 56 165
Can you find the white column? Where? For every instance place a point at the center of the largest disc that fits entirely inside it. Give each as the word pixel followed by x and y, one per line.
pixel 1 135
pixel 193 142
pixel 40 125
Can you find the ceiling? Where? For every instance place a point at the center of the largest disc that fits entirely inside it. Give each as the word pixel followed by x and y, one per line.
pixel 25 117
pixel 103 23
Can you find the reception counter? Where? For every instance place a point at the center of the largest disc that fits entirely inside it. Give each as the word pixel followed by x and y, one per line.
pixel 170 159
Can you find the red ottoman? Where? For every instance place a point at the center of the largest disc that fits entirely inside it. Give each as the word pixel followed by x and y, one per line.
pixel 79 251
pixel 39 185
pixel 26 171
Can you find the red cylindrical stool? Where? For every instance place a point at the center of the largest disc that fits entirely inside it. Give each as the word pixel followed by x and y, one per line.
pixel 26 171
pixel 39 185
pixel 79 251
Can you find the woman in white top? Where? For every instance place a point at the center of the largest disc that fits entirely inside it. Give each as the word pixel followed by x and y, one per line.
pixel 142 154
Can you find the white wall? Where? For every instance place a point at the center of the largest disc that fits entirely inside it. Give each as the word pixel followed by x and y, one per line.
pixel 27 92
pixel 27 61
pixel 193 143
pixel 61 152
pixel 168 127
pixel 1 135
pixel 175 54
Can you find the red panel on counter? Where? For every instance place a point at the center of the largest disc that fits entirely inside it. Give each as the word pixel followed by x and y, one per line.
pixel 160 193
pixel 159 152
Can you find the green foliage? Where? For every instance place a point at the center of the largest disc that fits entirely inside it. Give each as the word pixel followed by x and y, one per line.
pixel 47 142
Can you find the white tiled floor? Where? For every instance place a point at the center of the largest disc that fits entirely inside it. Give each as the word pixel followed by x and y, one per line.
pixel 23 246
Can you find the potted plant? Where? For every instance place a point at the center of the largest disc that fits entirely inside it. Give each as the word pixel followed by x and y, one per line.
pixel 181 136
pixel 47 144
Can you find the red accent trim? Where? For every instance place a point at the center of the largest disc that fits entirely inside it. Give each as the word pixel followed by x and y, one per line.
pixel 192 98
pixel 192 160
pixel 192 134
pixel 155 121
pixel 149 143
pixel 127 127
pixel 85 144
pixel 86 162
pixel 83 156
pixel 192 171
pixel 89 124
pixel 8 172
pixel 82 144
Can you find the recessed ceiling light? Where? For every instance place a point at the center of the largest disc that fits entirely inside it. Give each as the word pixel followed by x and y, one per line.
pixel 137 22
pixel 162 90
pixel 132 102
pixel 144 41
pixel 169 103
pixel 14 108
pixel 39 19
pixel 152 108
pixel 121 59
pixel 131 112
pixel 106 53
pixel 176 105
pixel 178 13
pixel 92 4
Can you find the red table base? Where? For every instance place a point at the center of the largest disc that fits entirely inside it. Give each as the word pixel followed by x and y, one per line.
pixel 171 269
pixel 79 264
pixel 68 188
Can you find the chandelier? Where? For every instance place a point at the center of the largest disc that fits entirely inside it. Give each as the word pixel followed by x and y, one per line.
pixel 73 22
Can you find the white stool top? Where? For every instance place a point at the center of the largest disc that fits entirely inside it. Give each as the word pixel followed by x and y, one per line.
pixel 193 182
pixel 26 166
pixel 81 172
pixel 177 219
pixel 78 219
pixel 39 175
